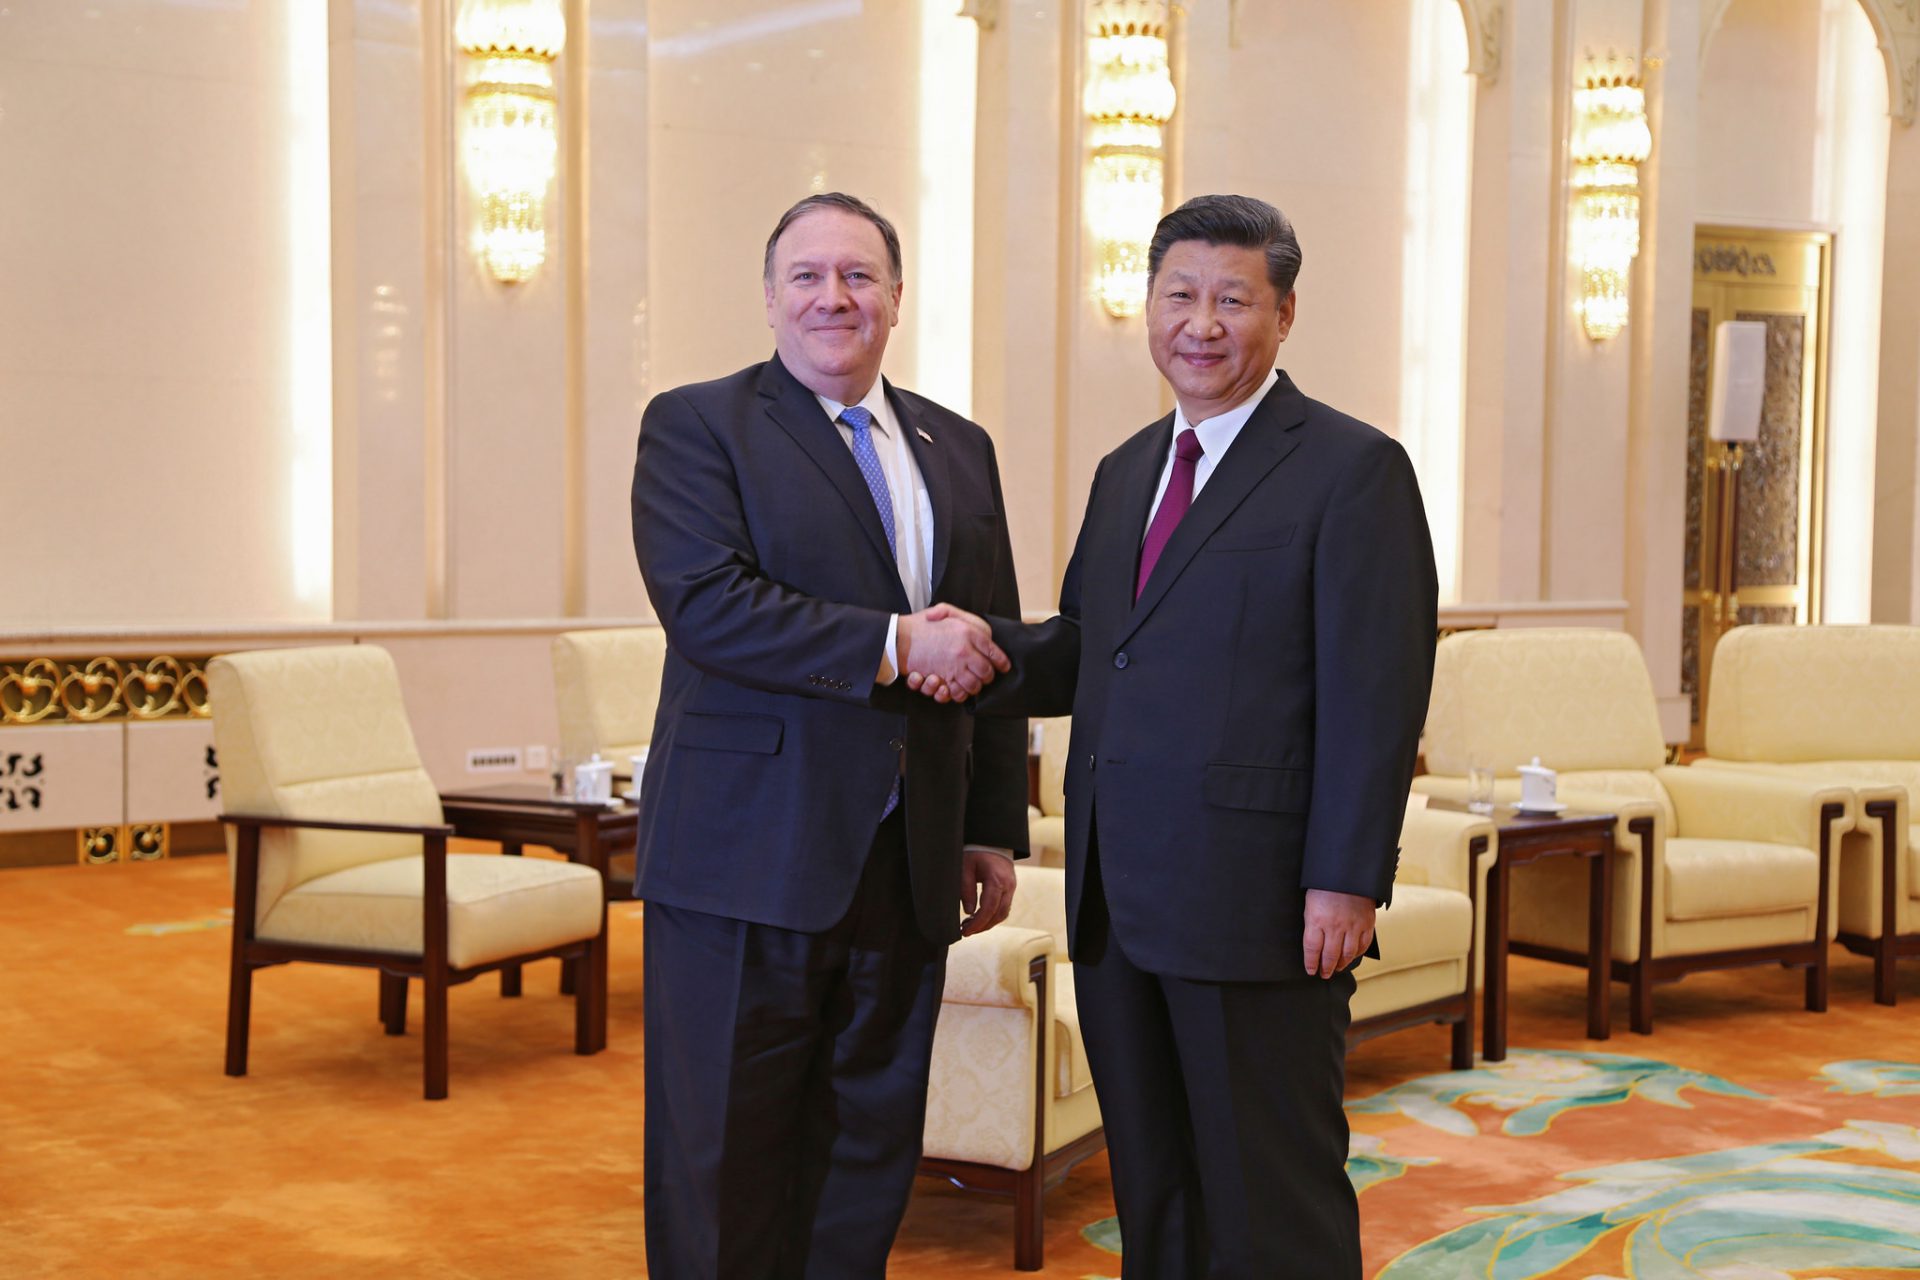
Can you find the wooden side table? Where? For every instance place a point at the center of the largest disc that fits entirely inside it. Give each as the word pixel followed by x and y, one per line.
pixel 1524 839
pixel 519 814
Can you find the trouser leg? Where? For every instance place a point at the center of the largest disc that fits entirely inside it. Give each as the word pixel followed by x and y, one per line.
pixel 1143 1100
pixel 1264 1065
pixel 867 1108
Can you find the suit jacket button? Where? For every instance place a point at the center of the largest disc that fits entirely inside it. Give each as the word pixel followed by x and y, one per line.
pixel 1089 762
pixel 1120 661
pixel 897 744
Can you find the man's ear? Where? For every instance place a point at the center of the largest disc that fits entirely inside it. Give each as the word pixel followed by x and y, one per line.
pixel 1285 312
pixel 768 286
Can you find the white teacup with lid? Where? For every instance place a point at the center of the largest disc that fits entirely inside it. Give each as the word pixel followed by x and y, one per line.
pixel 1539 787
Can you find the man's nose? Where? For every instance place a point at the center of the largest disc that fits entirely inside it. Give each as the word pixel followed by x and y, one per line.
pixel 1205 321
pixel 835 296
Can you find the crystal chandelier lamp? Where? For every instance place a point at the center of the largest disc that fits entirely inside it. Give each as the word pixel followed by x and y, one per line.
pixel 1129 99
pixel 512 127
pixel 1610 142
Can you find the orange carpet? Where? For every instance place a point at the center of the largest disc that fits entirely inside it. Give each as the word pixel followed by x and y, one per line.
pixel 1744 1140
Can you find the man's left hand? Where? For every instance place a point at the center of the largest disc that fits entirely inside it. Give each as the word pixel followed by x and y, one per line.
pixel 1339 930
pixel 986 890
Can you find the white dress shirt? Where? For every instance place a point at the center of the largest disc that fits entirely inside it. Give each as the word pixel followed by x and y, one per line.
pixel 912 509
pixel 912 522
pixel 1216 434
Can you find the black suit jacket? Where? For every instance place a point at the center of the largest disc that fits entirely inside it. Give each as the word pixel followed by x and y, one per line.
pixel 1247 730
pixel 773 750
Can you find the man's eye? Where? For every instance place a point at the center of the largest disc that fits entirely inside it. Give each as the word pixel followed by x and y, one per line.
pixel 1180 294
pixel 856 275
pixel 801 276
pixel 1229 302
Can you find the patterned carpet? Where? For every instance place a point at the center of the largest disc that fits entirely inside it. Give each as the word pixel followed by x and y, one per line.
pixel 1745 1140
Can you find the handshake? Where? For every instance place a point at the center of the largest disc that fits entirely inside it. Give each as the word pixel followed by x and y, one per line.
pixel 947 653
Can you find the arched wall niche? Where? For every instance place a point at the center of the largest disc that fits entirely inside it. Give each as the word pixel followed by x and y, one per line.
pixel 1896 26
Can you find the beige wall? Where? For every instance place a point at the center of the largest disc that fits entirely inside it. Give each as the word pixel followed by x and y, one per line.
pixel 144 313
pixel 482 435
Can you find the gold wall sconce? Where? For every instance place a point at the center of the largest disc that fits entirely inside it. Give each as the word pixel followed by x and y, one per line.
pixel 512 127
pixel 1610 142
pixel 1129 99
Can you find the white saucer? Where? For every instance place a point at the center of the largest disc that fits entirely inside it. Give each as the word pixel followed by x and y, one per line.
pixel 1547 811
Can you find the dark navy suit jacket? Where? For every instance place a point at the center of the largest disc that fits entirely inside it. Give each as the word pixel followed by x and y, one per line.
pixel 1247 730
pixel 773 750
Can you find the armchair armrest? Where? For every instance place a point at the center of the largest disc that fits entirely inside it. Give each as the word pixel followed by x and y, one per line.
pixel 995 968
pixel 1728 805
pixel 321 824
pixel 1439 843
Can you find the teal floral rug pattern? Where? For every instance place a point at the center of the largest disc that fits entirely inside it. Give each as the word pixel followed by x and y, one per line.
pixel 1778 1206
pixel 1756 1213
pixel 1538 1087
pixel 1880 1079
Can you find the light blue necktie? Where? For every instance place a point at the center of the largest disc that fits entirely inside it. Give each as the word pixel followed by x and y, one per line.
pixel 868 460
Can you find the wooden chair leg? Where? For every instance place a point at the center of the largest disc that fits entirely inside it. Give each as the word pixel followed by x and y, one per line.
pixel 1642 988
pixel 393 1002
pixel 1817 983
pixel 588 1032
pixel 1463 1040
pixel 1884 953
pixel 510 975
pixel 1029 1217
pixel 434 998
pixel 239 1008
pixel 569 982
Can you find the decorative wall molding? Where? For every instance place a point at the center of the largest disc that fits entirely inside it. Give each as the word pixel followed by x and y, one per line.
pixel 92 690
pixel 1896 27
pixel 985 13
pixel 1483 19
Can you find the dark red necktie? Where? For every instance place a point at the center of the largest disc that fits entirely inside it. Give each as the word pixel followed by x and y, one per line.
pixel 1173 505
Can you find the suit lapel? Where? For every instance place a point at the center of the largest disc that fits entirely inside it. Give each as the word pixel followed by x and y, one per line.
pixel 1134 485
pixel 930 451
pixel 1259 448
pixel 796 411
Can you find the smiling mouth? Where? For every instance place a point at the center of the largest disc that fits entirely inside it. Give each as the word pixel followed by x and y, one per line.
pixel 1202 357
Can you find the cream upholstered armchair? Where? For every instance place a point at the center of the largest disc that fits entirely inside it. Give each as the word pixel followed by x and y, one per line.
pixel 340 854
pixel 1430 935
pixel 1715 870
pixel 1047 824
pixel 1838 705
pixel 1010 1105
pixel 607 686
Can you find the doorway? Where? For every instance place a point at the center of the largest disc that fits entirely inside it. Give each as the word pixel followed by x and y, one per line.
pixel 1758 559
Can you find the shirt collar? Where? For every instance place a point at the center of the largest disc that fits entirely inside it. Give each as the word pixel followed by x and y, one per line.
pixel 874 402
pixel 1217 432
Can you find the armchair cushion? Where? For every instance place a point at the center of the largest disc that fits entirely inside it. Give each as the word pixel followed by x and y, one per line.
pixel 1716 879
pixel 1047 839
pixel 1074 1073
pixel 607 683
pixel 1788 693
pixel 1578 699
pixel 1423 924
pixel 497 906
pixel 1056 735
pixel 317 733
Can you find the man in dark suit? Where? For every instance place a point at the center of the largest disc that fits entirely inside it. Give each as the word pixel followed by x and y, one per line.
pixel 1245 642
pixel 810 831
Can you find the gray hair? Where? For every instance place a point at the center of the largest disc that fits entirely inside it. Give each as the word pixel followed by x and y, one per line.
pixel 1241 221
pixel 847 204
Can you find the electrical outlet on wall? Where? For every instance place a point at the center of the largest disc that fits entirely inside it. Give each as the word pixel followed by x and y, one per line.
pixel 493 760
pixel 536 759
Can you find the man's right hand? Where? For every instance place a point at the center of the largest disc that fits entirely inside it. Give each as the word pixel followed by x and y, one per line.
pixel 951 644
